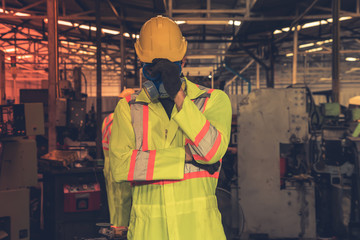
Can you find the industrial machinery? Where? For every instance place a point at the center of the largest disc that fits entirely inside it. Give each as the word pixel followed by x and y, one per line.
pixel 276 190
pixel 18 166
pixel 298 166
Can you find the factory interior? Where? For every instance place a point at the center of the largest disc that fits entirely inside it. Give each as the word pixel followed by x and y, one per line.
pixel 290 69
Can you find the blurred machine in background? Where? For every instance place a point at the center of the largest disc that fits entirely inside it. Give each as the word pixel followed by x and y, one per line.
pixel 298 166
pixel 18 166
pixel 276 191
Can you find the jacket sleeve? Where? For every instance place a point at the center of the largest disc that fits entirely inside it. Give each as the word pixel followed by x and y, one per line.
pixel 130 164
pixel 209 132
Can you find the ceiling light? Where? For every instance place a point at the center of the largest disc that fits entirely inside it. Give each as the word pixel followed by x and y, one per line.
pixel 10 50
pixel 180 22
pixel 306 45
pixel 314 49
pixel 289 54
pixel 235 23
pixel 345 18
pixel 65 23
pixel 311 24
pixel 126 34
pixel 22 14
pixel 323 42
pixel 351 59
pixel 109 31
pixel 277 31
pixel 86 27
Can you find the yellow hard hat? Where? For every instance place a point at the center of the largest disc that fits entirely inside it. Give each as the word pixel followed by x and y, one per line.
pixel 160 37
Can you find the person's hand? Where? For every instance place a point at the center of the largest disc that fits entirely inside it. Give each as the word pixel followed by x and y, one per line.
pixel 188 154
pixel 120 231
pixel 170 75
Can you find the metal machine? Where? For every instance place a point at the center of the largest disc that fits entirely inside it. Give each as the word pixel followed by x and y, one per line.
pixel 18 166
pixel 298 166
pixel 276 190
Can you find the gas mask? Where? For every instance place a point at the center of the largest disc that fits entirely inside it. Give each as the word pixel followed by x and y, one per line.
pixel 154 88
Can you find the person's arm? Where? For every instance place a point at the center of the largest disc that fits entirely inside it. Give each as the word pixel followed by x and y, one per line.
pixel 209 132
pixel 130 164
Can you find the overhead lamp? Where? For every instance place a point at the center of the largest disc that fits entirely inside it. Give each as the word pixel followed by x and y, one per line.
pixel 235 23
pixel 289 54
pixel 314 50
pixel 86 27
pixel 65 23
pixel 110 31
pixel 178 22
pixel 22 14
pixel 306 45
pixel 351 59
pixel 10 50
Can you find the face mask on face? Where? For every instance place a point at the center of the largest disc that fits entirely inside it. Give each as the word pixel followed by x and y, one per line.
pixel 154 88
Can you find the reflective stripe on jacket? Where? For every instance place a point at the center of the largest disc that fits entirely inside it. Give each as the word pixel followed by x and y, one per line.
pixel 171 199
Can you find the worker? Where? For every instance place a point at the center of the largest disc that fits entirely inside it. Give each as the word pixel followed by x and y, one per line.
pixel 118 194
pixel 167 140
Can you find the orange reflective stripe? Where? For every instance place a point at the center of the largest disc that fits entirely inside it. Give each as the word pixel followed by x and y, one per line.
pixel 132 165
pixel 198 157
pixel 151 165
pixel 128 98
pixel 188 141
pixel 202 133
pixel 145 146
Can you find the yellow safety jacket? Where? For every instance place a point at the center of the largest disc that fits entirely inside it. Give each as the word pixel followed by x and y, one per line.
pixel 118 194
pixel 171 199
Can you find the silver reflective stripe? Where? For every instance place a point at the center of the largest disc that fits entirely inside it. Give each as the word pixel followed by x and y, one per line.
pixel 189 168
pixel 137 122
pixel 141 165
pixel 206 143
pixel 200 102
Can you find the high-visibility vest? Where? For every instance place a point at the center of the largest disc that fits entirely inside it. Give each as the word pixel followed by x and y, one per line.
pixel 171 199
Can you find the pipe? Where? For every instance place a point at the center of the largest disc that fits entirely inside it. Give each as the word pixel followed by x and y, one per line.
pixel 98 80
pixel 257 75
pixel 53 66
pixel 295 56
pixel 122 52
pixel 2 78
pixel 335 51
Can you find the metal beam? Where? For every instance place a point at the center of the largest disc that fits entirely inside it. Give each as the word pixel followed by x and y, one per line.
pixel 170 12
pixel 295 52
pixel 335 51
pixel 53 66
pixel 98 80
pixel 32 5
pixel 297 19
pixel 122 51
pixel 2 78
pixel 209 11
